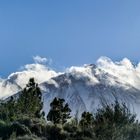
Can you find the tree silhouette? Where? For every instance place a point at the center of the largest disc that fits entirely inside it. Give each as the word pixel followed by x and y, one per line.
pixel 59 112
pixel 29 101
pixel 86 120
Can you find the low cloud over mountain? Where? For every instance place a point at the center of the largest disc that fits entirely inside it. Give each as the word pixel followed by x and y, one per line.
pixel 83 87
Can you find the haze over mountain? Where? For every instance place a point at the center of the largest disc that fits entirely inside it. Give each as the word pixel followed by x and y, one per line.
pixel 83 87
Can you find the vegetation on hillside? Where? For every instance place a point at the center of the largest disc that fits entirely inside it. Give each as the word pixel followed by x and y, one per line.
pixel 22 118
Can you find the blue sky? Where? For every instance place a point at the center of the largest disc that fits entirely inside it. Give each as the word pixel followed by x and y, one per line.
pixel 70 32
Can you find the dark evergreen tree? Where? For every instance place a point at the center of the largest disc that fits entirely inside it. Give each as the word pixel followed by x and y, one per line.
pixel 86 120
pixel 7 110
pixel 111 120
pixel 29 102
pixel 65 113
pixel 116 113
pixel 59 112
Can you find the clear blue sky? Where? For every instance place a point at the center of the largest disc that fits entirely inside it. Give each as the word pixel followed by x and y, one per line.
pixel 71 32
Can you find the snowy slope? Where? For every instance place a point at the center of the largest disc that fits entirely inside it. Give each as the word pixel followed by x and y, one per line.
pixel 85 93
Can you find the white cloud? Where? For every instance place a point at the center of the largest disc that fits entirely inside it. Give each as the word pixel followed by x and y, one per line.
pixel 15 80
pixel 42 60
pixel 84 72
pixel 40 72
pixel 124 70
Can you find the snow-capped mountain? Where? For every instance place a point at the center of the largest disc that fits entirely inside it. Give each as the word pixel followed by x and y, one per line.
pixel 85 88
pixel 87 91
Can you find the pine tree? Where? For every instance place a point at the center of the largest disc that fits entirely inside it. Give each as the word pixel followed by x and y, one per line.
pixel 29 102
pixel 86 120
pixel 111 121
pixel 59 112
pixel 117 113
pixel 7 110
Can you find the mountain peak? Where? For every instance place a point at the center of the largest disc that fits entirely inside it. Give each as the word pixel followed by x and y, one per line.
pixel 83 87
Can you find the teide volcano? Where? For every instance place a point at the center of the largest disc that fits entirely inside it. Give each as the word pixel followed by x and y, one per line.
pixel 85 93
pixel 83 88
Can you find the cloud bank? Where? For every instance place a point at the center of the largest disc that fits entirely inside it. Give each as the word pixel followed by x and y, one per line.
pixel 124 71
pixel 18 80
